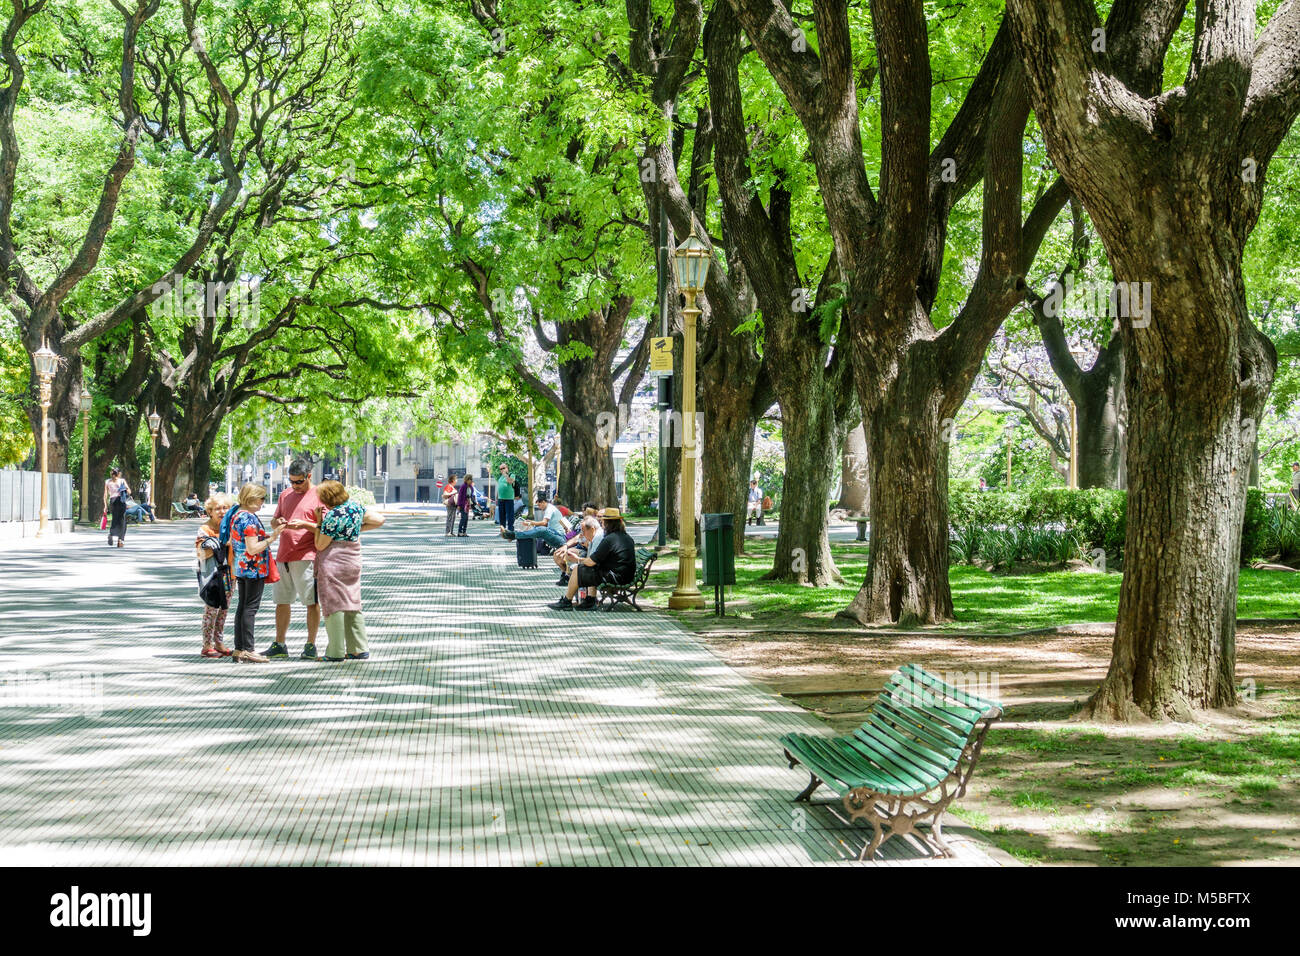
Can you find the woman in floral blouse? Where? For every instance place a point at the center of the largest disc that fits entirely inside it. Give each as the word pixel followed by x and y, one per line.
pixel 338 528
pixel 250 544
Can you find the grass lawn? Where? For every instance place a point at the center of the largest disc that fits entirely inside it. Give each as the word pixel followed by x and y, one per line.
pixel 982 601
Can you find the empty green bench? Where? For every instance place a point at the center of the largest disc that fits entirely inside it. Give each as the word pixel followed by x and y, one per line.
pixel 912 756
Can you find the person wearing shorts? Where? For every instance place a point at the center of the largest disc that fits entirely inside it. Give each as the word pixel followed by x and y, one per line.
pixel 296 560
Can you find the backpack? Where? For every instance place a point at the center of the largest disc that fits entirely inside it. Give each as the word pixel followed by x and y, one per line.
pixel 212 586
pixel 223 535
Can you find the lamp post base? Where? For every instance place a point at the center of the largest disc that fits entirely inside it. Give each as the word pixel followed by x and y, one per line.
pixel 686 600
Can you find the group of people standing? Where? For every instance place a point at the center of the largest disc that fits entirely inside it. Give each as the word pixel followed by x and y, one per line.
pixel 317 565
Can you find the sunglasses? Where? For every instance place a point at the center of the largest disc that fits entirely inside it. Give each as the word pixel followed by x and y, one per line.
pixel 297 481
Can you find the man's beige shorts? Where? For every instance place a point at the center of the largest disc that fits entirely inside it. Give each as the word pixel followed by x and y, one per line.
pixel 297 583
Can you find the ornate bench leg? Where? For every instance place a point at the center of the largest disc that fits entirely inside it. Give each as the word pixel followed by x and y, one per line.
pixel 806 795
pixel 936 836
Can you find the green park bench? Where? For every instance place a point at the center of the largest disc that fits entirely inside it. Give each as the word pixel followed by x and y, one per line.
pixel 616 594
pixel 180 511
pixel 912 756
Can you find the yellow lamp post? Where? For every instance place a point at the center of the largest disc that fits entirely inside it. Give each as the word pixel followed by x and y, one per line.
pixel 530 420
pixel 692 265
pixel 86 402
pixel 154 421
pixel 46 362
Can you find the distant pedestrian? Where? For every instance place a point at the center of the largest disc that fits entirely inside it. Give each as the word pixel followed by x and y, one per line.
pixel 465 499
pixel 449 501
pixel 251 546
pixel 116 491
pixel 1295 484
pixel 505 498
pixel 754 503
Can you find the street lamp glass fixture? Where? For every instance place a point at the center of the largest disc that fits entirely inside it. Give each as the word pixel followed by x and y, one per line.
pixel 644 436
pixel 530 420
pixel 46 361
pixel 154 420
pixel 86 399
pixel 692 263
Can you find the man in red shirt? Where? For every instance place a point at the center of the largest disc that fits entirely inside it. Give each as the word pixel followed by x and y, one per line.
pixel 296 560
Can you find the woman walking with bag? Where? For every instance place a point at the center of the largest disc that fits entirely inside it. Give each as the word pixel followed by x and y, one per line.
pixel 115 494
pixel 250 544
pixel 449 502
pixel 214 576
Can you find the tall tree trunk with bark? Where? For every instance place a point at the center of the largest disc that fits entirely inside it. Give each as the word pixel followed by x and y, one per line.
pixel 855 474
pixel 1173 182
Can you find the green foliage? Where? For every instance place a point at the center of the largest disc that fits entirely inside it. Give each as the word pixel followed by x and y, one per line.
pixel 641 480
pixel 1095 516
pixel 361 496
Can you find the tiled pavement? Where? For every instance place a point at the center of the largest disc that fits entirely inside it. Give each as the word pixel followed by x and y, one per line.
pixel 485 730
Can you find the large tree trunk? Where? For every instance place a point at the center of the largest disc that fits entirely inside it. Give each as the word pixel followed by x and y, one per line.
pixel 588 470
pixel 803 547
pixel 907 572
pixel 1174 187
pixel 1188 466
pixel 1098 430
pixel 727 441
pixel 855 475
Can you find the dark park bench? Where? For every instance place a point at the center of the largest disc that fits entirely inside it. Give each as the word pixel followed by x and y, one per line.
pixel 614 594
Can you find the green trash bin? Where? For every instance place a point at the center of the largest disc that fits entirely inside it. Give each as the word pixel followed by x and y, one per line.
pixel 719 556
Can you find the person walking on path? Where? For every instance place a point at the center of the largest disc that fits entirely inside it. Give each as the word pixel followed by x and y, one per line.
pixel 296 558
pixel 116 491
pixel 210 560
pixel 251 549
pixel 754 503
pixel 506 498
pixel 464 502
pixel 336 529
pixel 449 499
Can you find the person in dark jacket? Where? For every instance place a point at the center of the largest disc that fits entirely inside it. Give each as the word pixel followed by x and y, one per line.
pixel 464 502
pixel 613 561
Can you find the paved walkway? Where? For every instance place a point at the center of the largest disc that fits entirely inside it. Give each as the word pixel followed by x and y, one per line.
pixel 486 730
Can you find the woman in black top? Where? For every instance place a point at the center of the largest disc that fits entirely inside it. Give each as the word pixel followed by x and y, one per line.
pixel 613 561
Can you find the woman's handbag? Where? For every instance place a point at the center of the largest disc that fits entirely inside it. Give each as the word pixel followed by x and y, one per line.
pixel 212 586
pixel 103 521
pixel 273 570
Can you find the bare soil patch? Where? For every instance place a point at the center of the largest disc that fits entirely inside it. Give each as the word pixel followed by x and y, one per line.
pixel 1053 789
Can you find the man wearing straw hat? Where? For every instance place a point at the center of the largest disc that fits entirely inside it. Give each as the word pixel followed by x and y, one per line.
pixel 612 561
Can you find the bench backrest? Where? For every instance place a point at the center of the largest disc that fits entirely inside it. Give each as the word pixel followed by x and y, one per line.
pixel 925 720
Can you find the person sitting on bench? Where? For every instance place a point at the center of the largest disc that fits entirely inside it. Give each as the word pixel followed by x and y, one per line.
pixel 579 546
pixel 551 529
pixel 612 561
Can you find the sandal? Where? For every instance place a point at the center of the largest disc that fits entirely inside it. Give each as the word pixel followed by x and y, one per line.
pixel 222 650
pixel 210 652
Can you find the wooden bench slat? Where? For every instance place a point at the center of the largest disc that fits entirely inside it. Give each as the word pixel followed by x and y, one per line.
pixel 918 751
pixel 914 778
pixel 927 727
